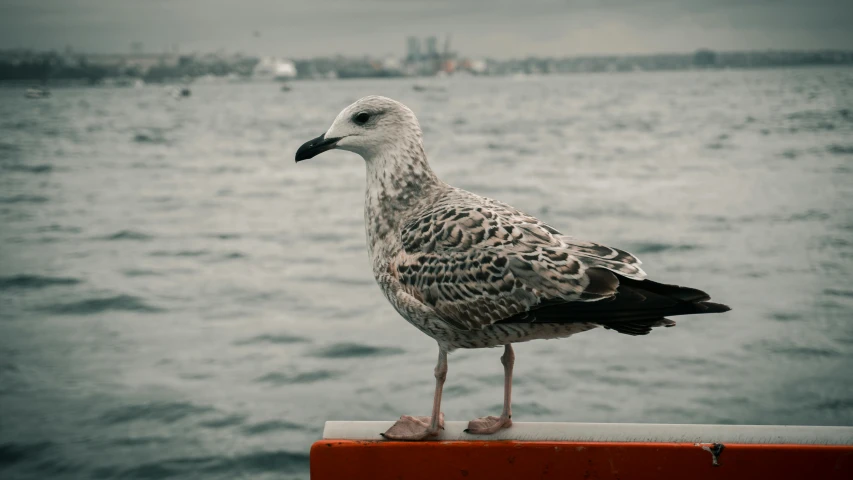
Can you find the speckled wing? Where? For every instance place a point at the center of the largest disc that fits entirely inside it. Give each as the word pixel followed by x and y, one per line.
pixel 476 262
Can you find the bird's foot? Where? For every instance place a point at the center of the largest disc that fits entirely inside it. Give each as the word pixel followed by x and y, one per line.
pixel 487 425
pixel 413 428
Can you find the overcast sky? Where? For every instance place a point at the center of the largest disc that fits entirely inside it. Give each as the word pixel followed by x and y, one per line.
pixel 496 28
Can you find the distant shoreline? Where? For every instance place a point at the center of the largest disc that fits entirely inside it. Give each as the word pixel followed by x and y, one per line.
pixel 129 69
pixel 107 82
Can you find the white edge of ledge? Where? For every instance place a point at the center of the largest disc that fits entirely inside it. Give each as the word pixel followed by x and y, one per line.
pixel 615 432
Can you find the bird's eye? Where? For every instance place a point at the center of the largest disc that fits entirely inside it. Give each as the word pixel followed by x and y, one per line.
pixel 361 118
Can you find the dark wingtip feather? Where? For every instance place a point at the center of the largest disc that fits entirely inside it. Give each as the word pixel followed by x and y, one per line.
pixel 630 328
pixel 685 294
pixel 711 307
pixel 641 327
pixel 637 307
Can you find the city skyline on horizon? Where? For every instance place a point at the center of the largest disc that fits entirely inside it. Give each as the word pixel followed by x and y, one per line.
pixel 545 28
pixel 129 52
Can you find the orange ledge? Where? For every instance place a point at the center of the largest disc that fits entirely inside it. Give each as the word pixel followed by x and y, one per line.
pixel 508 459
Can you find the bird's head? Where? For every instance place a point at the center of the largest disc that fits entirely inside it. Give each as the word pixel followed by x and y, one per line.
pixel 370 126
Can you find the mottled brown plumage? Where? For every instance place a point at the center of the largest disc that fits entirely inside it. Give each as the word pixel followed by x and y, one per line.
pixel 472 272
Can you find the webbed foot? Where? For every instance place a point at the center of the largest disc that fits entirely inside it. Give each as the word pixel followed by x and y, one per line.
pixel 487 425
pixel 413 428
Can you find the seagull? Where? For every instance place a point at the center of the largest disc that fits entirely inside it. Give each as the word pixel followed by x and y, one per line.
pixel 472 272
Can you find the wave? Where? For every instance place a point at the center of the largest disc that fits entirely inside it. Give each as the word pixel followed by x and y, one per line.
pixel 841 405
pixel 34 281
pixel 135 272
pixel 12 453
pixel 790 154
pixel 58 228
pixel 128 235
pixel 818 120
pixel 270 461
pixel 834 292
pixel 43 168
pixel 98 305
pixel 229 421
pixel 273 462
pixel 279 339
pixel 24 199
pixel 224 236
pixel 137 441
pixel 8 150
pixel 657 247
pixel 456 391
pixel 271 426
pixel 794 351
pixel 354 350
pixel 152 136
pixel 807 215
pixel 233 256
pixel 179 253
pixel 327 237
pixel 277 378
pixel 163 412
pixel 840 149
pixel 785 316
pixel 529 408
pixel 339 280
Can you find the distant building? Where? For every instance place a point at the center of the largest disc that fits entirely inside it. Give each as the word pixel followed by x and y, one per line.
pixel 432 46
pixel 429 61
pixel 413 51
pixel 140 62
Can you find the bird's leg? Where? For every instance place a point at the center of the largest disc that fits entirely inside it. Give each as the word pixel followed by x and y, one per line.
pixel 418 428
pixel 492 424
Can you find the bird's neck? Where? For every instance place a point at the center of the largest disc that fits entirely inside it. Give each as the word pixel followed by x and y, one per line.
pixel 399 182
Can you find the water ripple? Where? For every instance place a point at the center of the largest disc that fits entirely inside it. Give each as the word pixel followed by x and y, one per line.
pixel 42 168
pixel 224 422
pixel 34 281
pixel 658 247
pixel 152 136
pixel 786 316
pixel 12 453
pixel 840 149
pixel 277 339
pixel 273 462
pixel 91 306
pixel 135 272
pixel 128 235
pixel 354 350
pixel 179 253
pixel 837 292
pixel 24 199
pixel 270 426
pixel 278 378
pixel 163 412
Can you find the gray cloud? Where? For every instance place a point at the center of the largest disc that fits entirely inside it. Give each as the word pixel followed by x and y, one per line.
pixel 499 28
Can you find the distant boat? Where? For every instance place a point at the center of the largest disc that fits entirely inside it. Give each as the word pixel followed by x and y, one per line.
pixel 286 88
pixel 37 92
pixel 180 92
pixel 426 88
pixel 271 68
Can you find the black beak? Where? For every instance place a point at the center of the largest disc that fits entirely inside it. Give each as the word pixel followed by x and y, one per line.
pixel 312 148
